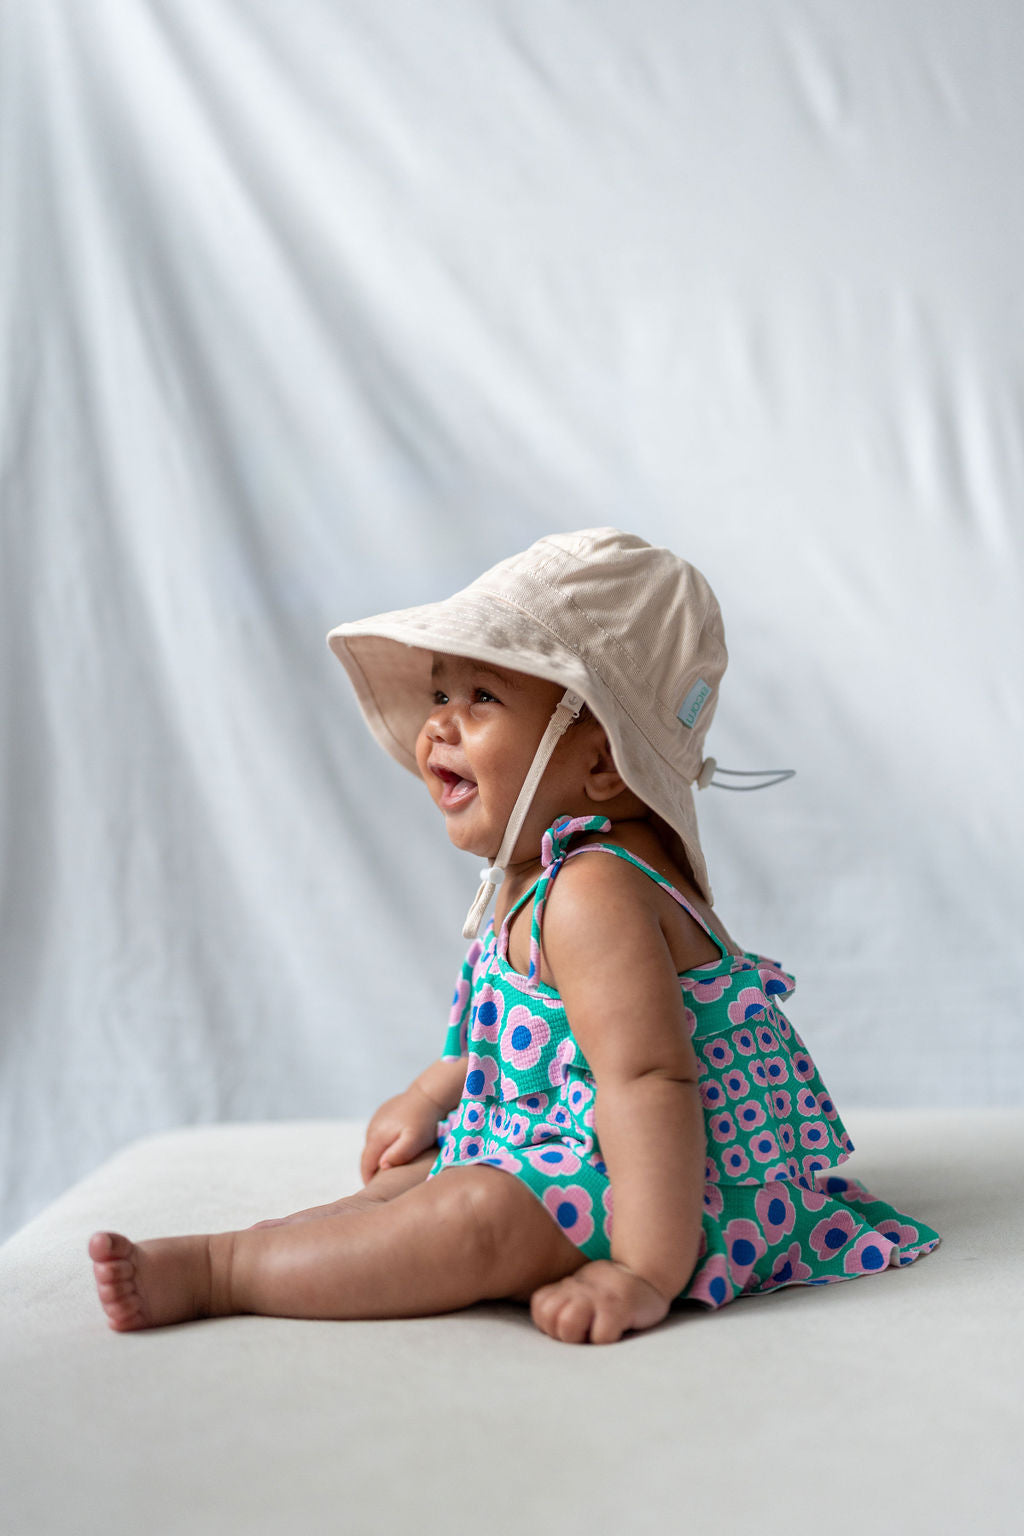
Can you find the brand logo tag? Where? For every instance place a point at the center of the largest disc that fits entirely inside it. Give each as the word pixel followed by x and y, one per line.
pixel 694 702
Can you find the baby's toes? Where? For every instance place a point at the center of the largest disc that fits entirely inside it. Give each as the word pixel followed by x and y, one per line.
pixel 107 1270
pixel 115 1290
pixel 105 1247
pixel 125 1314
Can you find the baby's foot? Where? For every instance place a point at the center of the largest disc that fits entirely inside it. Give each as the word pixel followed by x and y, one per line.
pixel 145 1285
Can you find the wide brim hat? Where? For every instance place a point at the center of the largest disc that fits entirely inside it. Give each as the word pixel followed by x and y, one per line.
pixel 633 629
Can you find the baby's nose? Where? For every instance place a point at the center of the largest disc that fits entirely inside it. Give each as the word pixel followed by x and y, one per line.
pixel 442 724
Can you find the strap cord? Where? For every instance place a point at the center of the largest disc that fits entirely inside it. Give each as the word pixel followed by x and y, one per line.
pixel 709 770
pixel 565 713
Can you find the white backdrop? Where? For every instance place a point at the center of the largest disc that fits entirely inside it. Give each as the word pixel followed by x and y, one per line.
pixel 312 310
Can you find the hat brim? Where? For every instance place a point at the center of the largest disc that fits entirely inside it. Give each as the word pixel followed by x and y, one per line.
pixel 388 660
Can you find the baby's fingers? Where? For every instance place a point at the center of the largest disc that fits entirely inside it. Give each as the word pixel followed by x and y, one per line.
pixel 563 1311
pixel 400 1151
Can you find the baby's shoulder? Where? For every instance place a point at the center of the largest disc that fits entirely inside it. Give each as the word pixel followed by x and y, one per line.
pixel 611 894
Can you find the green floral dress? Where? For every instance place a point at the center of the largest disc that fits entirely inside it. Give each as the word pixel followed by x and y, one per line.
pixel 775 1212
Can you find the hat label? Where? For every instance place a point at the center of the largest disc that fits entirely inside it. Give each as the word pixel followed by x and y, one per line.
pixel 694 702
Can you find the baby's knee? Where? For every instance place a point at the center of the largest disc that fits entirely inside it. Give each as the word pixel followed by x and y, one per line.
pixel 505 1235
pixel 474 1207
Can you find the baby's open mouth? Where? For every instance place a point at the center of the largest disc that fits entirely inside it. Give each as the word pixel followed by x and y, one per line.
pixel 457 790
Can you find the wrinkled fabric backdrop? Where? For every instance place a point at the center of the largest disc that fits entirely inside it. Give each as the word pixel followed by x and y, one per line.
pixel 312 310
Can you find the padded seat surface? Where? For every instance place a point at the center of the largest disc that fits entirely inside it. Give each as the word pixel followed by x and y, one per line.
pixel 890 1403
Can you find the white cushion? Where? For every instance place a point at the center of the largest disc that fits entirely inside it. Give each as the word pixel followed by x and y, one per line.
pixel 887 1403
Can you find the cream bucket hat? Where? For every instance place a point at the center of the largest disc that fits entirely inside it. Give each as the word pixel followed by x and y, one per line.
pixel 632 630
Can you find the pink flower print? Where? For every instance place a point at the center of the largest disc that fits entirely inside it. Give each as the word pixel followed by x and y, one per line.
pixel 844 1188
pixel 556 1125
pixel 487 1012
pixel 710 1284
pixel 812 1199
pixel 775 1211
pixel 869 1253
pixel 736 1084
pixel 459 1000
pixel 509 1087
pixel 713 1201
pixel 788 1269
pixel 774 1173
pixel 759 1072
pixel 718 1053
pixel 516 1129
pixel 500 1157
pixel 481 1076
pixel 845 1142
pixel 832 1233
pixel 535 1103
pixel 764 1146
pixel 745 1244
pixel 748 1005
pixel 814 1134
pixel 690 1019
pixel 474 1116
pixel 786 1138
pixel 803 1066
pixel 736 1162
pixel 743 1040
pixel 708 991
pixel 812 1165
pixel 571 1207
pixel 776 1070
pixel 606 1201
pixel 711 1172
pixel 523 1037
pixel 563 1056
pixel 793 1168
pixel 767 1039
pixel 806 1103
pixel 579 1096
pixel 898 1232
pixel 449 1151
pixel 497 1122
pixel 553 1159
pixel 476 949
pixel 588 1117
pixel 711 1095
pixel 827 1107
pixel 472 1148
pixel 782 1102
pixel 750 1115
pixel 776 981
pixel 723 1128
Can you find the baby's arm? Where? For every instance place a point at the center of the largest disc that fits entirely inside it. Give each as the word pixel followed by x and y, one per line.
pixel 612 966
pixel 406 1125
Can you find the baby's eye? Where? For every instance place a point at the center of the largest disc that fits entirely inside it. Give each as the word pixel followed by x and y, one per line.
pixel 485 697
pixel 439 697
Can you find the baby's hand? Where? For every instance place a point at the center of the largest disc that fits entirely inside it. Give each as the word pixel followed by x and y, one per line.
pixel 599 1303
pixel 400 1130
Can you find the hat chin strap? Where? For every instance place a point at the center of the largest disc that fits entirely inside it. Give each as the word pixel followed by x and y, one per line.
pixel 565 713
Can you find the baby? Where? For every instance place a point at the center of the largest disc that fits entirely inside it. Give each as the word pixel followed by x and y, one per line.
pixel 622 1116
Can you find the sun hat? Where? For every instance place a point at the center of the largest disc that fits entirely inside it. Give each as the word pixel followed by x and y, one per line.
pixel 631 629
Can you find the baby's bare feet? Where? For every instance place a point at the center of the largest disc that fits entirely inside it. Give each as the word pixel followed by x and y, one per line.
pixel 145 1285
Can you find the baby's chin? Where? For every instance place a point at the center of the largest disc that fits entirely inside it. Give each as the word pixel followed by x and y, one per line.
pixel 462 838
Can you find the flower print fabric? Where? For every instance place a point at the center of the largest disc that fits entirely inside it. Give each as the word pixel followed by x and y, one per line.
pixel 775 1210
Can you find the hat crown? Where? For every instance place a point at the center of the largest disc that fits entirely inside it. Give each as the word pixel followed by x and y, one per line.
pixel 640 616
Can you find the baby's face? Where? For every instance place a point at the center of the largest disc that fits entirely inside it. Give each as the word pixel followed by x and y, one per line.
pixel 476 747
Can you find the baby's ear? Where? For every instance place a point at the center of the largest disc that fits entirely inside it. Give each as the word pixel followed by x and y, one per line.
pixel 603 780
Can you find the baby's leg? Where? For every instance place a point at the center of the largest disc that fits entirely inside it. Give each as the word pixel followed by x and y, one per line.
pixel 470 1234
pixel 385 1184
